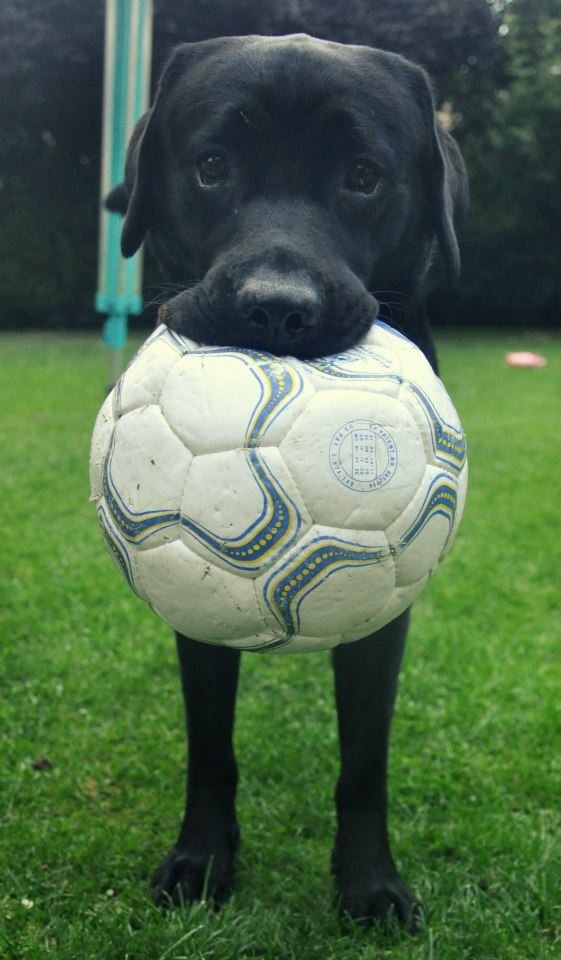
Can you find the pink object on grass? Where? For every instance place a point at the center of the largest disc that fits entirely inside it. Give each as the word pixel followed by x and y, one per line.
pixel 525 359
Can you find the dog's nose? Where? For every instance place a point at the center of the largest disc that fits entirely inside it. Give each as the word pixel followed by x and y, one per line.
pixel 277 306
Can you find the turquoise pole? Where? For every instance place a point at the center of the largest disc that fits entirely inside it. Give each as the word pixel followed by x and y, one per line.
pixel 128 41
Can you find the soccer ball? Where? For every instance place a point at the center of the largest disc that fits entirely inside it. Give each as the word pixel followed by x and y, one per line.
pixel 270 503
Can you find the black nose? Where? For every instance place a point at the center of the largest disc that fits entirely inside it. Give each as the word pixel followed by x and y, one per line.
pixel 279 306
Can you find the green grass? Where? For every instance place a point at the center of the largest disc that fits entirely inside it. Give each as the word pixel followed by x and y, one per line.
pixel 91 683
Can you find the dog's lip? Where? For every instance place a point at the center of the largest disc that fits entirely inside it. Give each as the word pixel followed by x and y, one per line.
pixel 306 347
pixel 308 342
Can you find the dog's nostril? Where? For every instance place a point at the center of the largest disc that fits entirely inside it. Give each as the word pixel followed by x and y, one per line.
pixel 259 317
pixel 275 318
pixel 293 322
pixel 278 308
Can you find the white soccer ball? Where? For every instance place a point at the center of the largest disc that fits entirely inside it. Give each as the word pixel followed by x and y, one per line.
pixel 270 503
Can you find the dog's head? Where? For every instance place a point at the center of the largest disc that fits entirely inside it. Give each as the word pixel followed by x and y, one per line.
pixel 284 184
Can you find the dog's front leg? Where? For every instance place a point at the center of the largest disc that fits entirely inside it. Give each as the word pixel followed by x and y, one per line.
pixel 201 862
pixel 366 675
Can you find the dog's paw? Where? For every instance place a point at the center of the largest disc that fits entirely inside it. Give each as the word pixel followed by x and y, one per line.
pixel 370 889
pixel 380 899
pixel 186 876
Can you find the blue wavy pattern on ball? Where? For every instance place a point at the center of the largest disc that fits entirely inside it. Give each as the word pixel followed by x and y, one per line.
pixel 135 527
pixel 448 442
pixel 180 343
pixel 279 385
pixel 341 366
pixel 117 548
pixel 441 500
pixel 286 589
pixel 290 584
pixel 279 521
pixel 276 526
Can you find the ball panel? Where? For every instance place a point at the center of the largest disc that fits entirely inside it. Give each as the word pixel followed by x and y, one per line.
pixel 400 599
pixel 223 399
pixel 328 578
pixel 196 597
pixel 304 644
pixel 357 458
pixel 418 537
pixel 368 366
pixel 241 508
pixel 385 337
pixel 101 439
pixel 144 475
pixel 437 419
pixel 142 381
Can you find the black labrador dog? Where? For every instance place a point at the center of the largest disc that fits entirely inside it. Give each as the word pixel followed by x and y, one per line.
pixel 291 188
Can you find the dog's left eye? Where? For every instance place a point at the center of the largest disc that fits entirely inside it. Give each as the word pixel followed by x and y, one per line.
pixel 212 169
pixel 362 176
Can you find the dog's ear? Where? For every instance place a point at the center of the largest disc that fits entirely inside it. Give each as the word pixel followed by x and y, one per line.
pixel 138 172
pixel 141 156
pixel 446 174
pixel 451 190
pixel 117 200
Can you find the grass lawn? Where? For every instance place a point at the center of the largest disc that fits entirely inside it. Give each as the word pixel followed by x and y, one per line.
pixel 90 682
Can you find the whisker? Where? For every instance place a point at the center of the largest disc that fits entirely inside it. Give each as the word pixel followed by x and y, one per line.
pixel 392 293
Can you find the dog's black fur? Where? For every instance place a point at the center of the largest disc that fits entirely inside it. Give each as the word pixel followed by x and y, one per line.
pixel 292 188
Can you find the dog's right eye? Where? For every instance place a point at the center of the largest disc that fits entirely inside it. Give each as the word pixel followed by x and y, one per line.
pixel 212 169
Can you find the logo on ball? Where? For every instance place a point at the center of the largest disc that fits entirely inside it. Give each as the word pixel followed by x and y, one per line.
pixel 363 455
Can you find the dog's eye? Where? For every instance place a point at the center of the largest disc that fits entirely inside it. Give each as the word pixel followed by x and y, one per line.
pixel 362 177
pixel 212 169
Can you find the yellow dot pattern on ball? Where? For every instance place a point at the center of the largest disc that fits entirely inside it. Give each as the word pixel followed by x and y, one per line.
pixel 286 588
pixel 449 444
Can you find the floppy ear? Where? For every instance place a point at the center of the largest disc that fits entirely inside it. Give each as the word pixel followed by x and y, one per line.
pixel 141 154
pixel 451 189
pixel 117 199
pixel 447 175
pixel 138 171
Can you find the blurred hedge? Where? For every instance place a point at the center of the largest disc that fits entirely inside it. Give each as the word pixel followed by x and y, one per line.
pixel 497 63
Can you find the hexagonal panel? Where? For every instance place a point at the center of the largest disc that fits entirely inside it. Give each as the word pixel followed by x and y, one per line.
pixel 101 438
pixel 331 579
pixel 356 457
pixel 420 534
pixel 222 399
pixel 142 381
pixel 144 475
pixel 241 508
pixel 197 598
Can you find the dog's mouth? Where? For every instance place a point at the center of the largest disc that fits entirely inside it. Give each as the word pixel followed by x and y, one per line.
pixel 285 318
